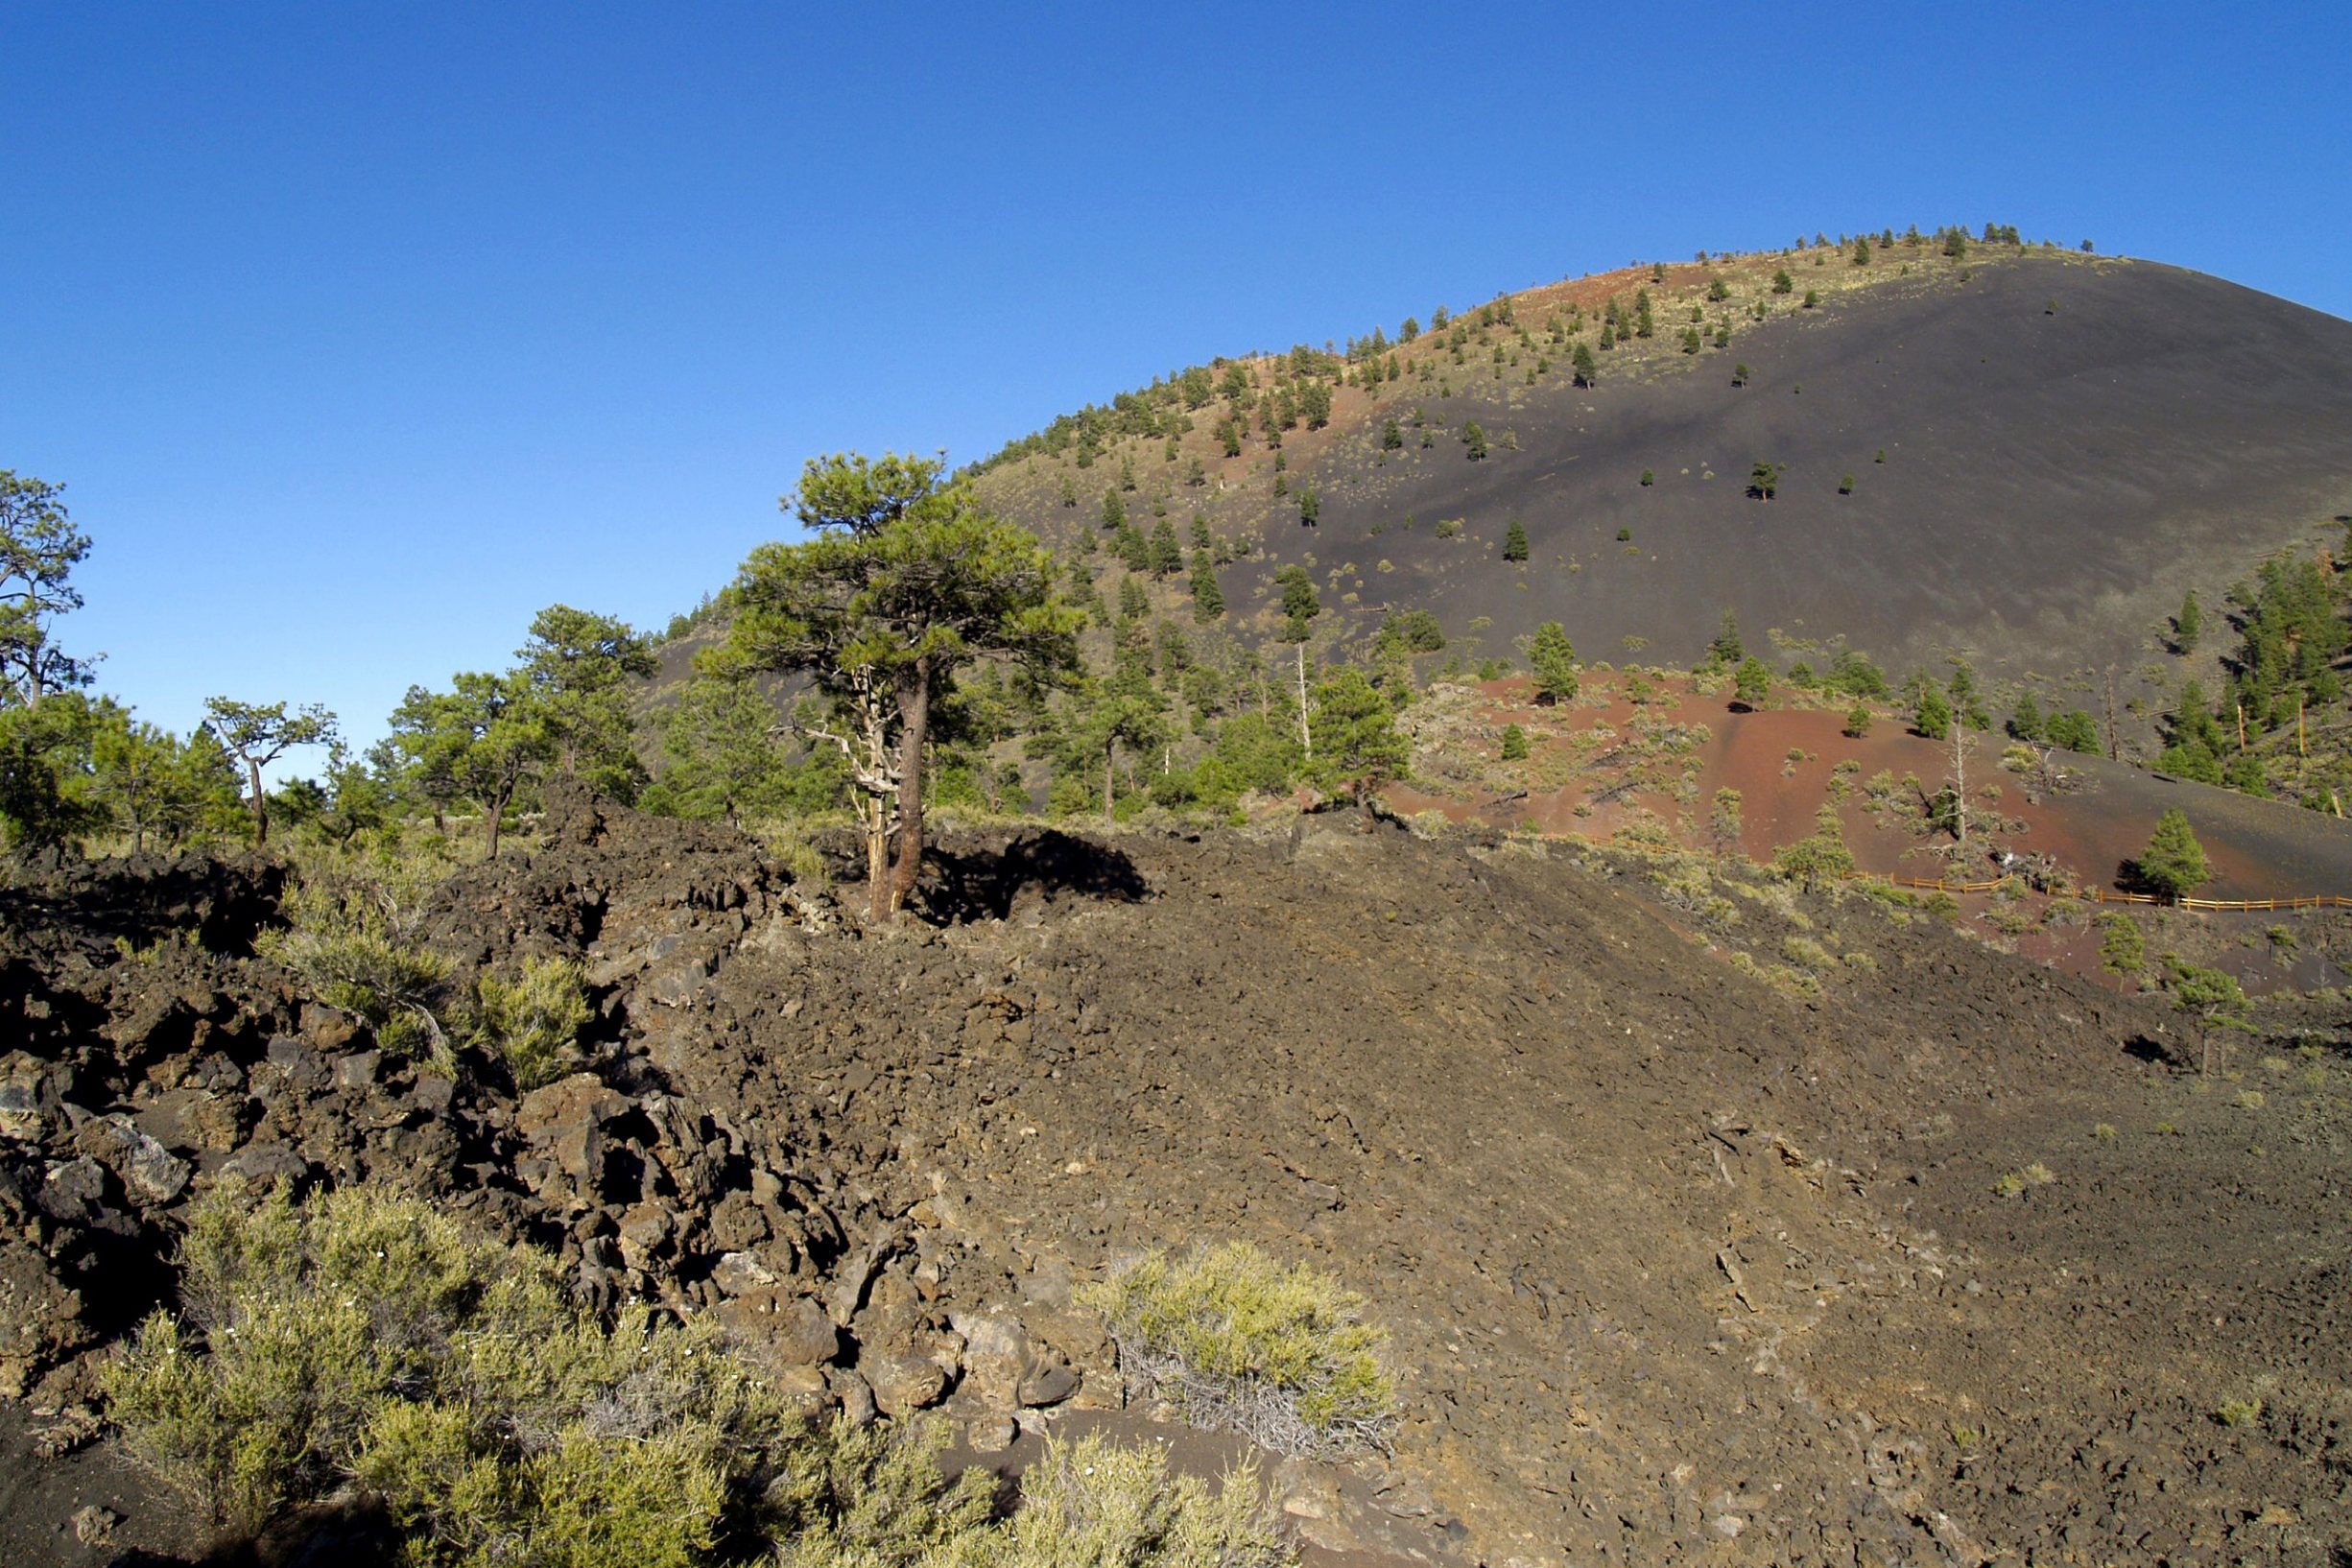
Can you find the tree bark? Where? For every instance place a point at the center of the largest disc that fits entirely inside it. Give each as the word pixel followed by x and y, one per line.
pixel 261 812
pixel 496 808
pixel 914 731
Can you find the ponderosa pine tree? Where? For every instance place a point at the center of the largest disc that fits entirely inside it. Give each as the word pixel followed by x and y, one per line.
pixel 1751 684
pixel 1586 371
pixel 1514 541
pixel 2173 863
pixel 1932 715
pixel 478 742
pixel 1299 602
pixel 1208 599
pixel 1554 659
pixel 1123 707
pixel 1167 556
pixel 1356 741
pixel 1133 602
pixel 1726 650
pixel 2025 721
pixel 39 548
pixel 258 734
pixel 580 665
pixel 2188 624
pixel 906 580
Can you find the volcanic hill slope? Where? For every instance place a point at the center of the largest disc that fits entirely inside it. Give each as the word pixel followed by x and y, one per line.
pixel 2046 449
pixel 1927 1258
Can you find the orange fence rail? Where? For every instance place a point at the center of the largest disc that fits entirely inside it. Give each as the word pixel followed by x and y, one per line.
pixel 2101 895
pixel 2325 901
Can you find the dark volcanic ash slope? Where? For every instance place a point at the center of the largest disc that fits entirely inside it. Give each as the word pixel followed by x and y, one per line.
pixel 2070 444
pixel 1681 1265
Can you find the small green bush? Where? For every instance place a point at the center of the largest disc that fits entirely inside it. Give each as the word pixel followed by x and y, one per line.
pixel 366 1338
pixel 2121 950
pixel 352 941
pixel 532 1023
pixel 1231 1339
pixel 1091 1502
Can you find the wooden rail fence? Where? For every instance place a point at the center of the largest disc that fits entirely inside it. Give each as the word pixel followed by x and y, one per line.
pixel 2101 895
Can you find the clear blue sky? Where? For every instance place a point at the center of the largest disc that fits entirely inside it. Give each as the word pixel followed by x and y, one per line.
pixel 359 332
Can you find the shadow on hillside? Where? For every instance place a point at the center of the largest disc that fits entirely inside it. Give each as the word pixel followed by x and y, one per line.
pixel 1033 867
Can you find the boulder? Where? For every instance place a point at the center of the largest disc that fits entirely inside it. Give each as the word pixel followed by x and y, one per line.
pixel 31 1106
pixel 197 1118
pixel 997 1352
pixel 903 1385
pixel 150 1172
pixel 567 1120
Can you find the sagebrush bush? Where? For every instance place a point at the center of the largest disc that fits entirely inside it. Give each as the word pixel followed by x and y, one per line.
pixel 366 1338
pixel 1229 1339
pixel 532 1023
pixel 351 941
pixel 1091 1502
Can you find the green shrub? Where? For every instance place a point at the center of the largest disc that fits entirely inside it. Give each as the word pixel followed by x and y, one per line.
pixel 2123 950
pixel 1231 1339
pixel 352 941
pixel 1090 1503
pixel 365 1338
pixel 308 1317
pixel 533 1024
